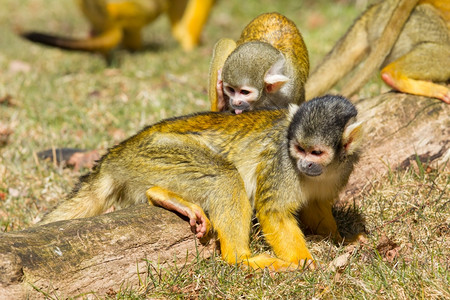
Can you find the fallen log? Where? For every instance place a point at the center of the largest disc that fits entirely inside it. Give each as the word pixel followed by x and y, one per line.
pixel 398 128
pixel 99 254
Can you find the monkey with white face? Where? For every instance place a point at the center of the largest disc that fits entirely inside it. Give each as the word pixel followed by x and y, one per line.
pixel 256 74
pixel 266 68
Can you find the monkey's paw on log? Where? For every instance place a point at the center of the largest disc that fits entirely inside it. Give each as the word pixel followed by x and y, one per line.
pixel 99 254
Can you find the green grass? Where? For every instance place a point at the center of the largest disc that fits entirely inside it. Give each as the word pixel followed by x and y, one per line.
pixel 62 99
pixel 405 256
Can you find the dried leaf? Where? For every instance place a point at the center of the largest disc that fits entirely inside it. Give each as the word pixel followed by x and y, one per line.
pixel 117 134
pixel 443 230
pixel 83 159
pixel 17 66
pixel 391 255
pixel 5 132
pixel 387 248
pixel 7 100
pixel 13 192
pixel 340 263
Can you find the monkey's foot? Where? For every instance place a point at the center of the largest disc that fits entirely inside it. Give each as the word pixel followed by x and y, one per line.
pixel 359 238
pixel 200 224
pixel 446 97
pixel 188 40
pixel 263 261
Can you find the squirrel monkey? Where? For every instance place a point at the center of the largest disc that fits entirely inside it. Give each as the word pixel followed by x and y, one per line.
pixel 408 39
pixel 217 168
pixel 266 68
pixel 121 22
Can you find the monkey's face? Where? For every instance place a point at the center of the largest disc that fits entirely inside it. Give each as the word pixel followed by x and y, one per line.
pixel 241 98
pixel 252 69
pixel 311 160
pixel 323 134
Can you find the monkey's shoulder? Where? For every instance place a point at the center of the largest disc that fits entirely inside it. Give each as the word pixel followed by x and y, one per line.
pixel 208 125
pixel 217 121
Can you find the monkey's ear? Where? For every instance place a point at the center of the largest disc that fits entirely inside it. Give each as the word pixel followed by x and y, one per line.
pixel 352 137
pixel 292 110
pixel 274 78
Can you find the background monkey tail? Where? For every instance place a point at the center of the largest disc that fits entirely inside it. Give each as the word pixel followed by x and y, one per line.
pixel 101 43
pixel 382 49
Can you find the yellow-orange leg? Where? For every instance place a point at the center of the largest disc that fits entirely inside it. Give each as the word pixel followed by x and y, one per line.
pixel 286 238
pixel 318 217
pixel 396 80
pixel 200 224
pixel 186 28
pixel 234 251
pixel 414 72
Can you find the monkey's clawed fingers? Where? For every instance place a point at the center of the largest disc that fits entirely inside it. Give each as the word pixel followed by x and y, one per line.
pixel 446 97
pixel 198 220
pixel 200 224
pixel 219 90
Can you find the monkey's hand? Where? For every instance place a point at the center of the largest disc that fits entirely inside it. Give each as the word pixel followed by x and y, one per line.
pixel 200 224
pixel 222 50
pixel 221 102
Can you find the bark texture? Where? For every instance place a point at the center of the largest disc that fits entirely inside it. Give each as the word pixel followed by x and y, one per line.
pixel 100 254
pixel 399 127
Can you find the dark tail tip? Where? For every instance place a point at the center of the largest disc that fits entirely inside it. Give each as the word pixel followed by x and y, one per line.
pixel 51 40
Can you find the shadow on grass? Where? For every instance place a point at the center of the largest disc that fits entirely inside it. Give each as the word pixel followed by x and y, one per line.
pixel 350 220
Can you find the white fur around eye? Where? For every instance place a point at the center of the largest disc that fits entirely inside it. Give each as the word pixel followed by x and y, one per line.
pixel 253 93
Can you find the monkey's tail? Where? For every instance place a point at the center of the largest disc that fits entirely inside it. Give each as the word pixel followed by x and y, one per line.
pixel 102 43
pixel 93 196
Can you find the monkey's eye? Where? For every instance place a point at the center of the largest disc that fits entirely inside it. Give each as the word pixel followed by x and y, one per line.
pixel 230 89
pixel 245 92
pixel 316 152
pixel 300 149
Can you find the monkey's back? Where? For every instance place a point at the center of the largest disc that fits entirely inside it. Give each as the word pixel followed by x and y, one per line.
pixel 161 154
pixel 283 34
pixel 222 131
